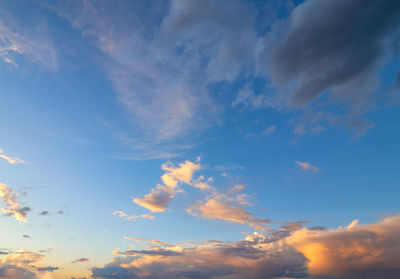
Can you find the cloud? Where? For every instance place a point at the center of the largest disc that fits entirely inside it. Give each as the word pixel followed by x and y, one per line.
pixel 148 216
pixel 355 252
pixel 306 166
pixel 157 200
pixel 225 207
pixel 13 209
pixel 81 260
pixel 44 213
pixel 11 160
pixel 23 264
pixel 340 57
pixel 270 130
pixel 161 59
pixel 149 240
pixel 122 214
pixel 25 38
pixel 26 236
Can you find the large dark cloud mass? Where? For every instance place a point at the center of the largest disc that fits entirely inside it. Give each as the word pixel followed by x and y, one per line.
pixel 334 45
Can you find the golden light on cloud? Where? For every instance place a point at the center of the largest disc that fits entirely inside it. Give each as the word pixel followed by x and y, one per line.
pixel 13 208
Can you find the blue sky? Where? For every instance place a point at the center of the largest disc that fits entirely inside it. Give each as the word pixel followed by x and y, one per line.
pixel 179 122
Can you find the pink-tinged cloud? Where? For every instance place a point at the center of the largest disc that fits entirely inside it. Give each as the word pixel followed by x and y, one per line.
pixel 157 200
pixel 227 207
pixel 353 252
pixel 13 208
pixel 306 166
pixel 11 160
pixel 123 215
pixel 148 216
pixel 137 239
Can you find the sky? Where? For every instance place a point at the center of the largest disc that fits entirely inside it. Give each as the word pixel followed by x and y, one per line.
pixel 199 139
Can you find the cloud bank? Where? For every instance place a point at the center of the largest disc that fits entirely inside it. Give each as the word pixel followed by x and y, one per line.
pixel 365 251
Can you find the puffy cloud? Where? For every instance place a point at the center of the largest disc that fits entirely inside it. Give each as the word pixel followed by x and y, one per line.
pixel 13 208
pixel 342 53
pixel 183 173
pixel 367 251
pixel 23 264
pixel 306 166
pixel 353 252
pixel 157 200
pixel 341 56
pixel 11 160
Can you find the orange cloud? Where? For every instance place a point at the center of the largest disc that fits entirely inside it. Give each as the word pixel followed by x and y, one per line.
pixel 157 200
pixel 13 208
pixel 223 207
pixel 352 252
pixel 355 248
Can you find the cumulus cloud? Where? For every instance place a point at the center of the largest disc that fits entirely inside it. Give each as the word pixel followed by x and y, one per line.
pixel 13 208
pixel 369 251
pixel 157 200
pixel 11 160
pixel 23 264
pixel 305 166
pixel 291 251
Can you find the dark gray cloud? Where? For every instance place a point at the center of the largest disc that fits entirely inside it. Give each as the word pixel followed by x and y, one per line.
pixel 47 268
pixel 43 213
pixel 81 260
pixel 26 236
pixel 338 46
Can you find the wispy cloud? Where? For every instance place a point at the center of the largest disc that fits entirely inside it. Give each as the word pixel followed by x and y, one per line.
pixel 227 207
pixel 305 166
pixel 13 208
pixel 11 160
pixel 81 260
pixel 123 215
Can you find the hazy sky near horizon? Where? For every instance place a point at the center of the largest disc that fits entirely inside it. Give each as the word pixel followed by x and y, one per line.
pixel 200 139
